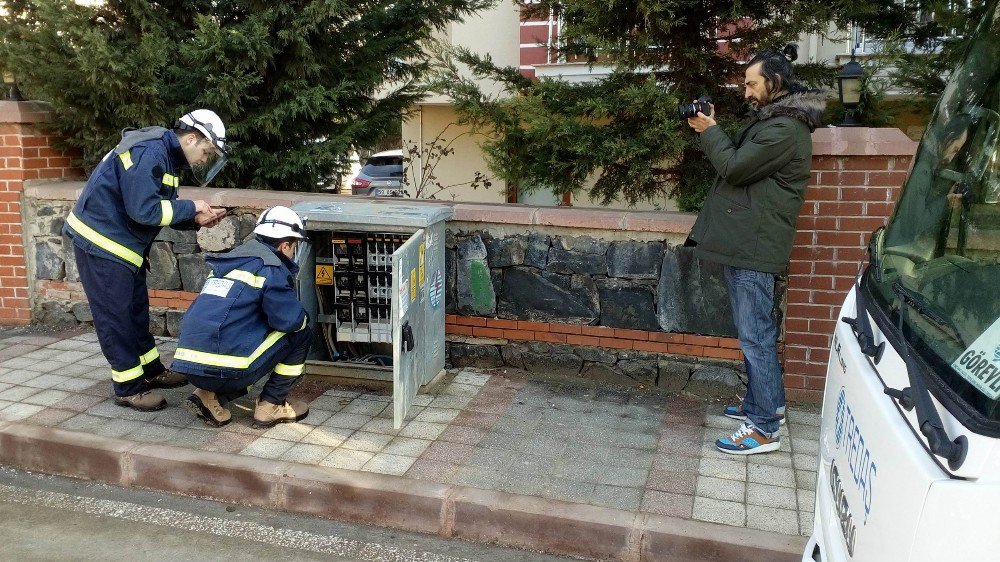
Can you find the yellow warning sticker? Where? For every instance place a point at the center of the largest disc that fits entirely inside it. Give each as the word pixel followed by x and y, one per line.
pixel 324 275
pixel 413 285
pixel 420 266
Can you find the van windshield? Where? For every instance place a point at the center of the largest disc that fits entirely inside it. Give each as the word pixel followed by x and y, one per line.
pixel 943 241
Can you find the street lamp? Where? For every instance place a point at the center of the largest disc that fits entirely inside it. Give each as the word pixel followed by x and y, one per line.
pixel 849 86
pixel 11 92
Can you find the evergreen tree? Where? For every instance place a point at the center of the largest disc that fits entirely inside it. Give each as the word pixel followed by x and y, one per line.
pixel 622 137
pixel 934 41
pixel 299 83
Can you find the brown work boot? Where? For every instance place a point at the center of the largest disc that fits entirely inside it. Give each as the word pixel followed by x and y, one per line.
pixel 166 379
pixel 206 406
pixel 270 415
pixel 147 401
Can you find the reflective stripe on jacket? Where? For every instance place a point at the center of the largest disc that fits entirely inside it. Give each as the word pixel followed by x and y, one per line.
pixel 246 306
pixel 130 196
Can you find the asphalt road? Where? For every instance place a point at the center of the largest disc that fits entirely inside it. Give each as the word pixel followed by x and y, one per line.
pixel 51 518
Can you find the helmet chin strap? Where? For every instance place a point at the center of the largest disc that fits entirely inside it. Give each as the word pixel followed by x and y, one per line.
pixel 217 141
pixel 291 226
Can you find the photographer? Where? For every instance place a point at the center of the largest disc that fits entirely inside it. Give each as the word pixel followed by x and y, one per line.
pixel 747 224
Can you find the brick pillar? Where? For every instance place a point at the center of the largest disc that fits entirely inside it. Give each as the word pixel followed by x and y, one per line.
pixel 856 179
pixel 26 154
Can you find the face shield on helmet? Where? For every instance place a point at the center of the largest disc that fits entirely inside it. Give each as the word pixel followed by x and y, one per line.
pixel 215 153
pixel 280 222
pixel 204 173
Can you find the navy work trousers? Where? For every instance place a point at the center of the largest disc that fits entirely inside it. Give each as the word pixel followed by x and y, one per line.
pixel 289 352
pixel 119 302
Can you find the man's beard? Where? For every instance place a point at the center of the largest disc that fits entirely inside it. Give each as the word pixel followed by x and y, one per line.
pixel 753 107
pixel 756 104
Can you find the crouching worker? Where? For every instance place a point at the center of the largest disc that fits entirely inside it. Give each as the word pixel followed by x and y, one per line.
pixel 247 323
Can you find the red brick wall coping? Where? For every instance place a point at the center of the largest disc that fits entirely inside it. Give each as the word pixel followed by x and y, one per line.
pixel 860 141
pixel 23 112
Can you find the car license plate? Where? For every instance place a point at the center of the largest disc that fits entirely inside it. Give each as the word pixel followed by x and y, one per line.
pixel 389 192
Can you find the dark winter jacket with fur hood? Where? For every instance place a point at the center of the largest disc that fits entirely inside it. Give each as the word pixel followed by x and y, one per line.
pixel 748 219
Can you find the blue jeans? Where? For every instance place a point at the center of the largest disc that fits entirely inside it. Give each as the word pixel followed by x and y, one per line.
pixel 751 294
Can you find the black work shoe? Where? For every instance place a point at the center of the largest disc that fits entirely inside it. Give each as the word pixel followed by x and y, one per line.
pixel 207 408
pixel 167 379
pixel 147 401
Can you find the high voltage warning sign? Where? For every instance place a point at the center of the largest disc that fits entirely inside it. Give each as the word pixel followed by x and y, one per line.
pixel 324 275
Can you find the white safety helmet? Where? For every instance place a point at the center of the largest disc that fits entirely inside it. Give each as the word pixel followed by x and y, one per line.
pixel 280 222
pixel 209 124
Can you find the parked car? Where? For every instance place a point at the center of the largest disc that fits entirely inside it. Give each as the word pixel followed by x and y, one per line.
pixel 381 176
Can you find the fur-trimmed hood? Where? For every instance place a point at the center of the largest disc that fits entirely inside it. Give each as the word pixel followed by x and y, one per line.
pixel 807 106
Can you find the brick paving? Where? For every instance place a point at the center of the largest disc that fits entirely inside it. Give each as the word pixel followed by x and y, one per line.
pixel 630 449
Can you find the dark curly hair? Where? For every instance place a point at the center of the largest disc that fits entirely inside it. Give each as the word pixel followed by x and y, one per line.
pixel 776 68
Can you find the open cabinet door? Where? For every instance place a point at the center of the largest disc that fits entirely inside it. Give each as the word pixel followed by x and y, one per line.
pixel 408 317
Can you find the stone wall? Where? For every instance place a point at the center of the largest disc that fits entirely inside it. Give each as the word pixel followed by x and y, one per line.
pixel 633 288
pixel 541 277
pixel 176 265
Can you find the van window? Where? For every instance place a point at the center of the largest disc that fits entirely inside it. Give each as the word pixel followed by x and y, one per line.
pixel 943 241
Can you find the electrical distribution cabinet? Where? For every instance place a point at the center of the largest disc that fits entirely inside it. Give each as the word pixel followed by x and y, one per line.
pixel 372 280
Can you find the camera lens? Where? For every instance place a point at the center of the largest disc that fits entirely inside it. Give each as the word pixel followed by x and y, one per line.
pixel 690 110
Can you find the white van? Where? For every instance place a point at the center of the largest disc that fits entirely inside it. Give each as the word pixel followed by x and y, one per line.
pixel 910 438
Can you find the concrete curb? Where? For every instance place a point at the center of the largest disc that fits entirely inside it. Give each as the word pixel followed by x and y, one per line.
pixel 389 501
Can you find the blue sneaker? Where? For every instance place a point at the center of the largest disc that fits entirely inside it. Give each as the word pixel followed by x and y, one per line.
pixel 748 440
pixel 736 412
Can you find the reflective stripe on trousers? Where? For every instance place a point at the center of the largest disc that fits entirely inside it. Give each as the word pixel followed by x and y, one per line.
pixel 119 301
pixel 228 361
pixel 289 370
pixel 137 371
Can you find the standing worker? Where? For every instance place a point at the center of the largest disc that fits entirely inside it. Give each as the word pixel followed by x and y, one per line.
pixel 130 196
pixel 747 224
pixel 246 324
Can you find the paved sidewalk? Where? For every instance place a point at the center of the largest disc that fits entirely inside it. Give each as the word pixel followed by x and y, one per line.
pixel 628 449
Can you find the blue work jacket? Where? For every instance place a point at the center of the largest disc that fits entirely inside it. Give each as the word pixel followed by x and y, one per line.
pixel 247 305
pixel 130 196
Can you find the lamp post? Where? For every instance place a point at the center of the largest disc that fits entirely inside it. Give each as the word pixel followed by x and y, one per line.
pixel 849 87
pixel 11 93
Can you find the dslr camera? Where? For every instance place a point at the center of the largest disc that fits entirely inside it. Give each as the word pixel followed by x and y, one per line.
pixel 689 110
